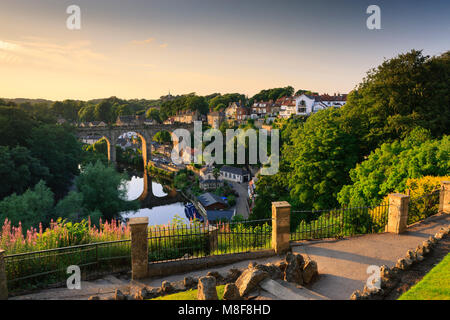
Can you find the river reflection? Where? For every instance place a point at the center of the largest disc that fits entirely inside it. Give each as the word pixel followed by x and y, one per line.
pixel 157 215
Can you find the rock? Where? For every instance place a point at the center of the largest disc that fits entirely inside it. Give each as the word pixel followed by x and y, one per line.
pixel 189 282
pixel 293 272
pixel 384 271
pixel 310 271
pixel 439 236
pixel 427 245
pixel 118 295
pixel 420 251
pixel 401 264
pixel 231 292
pixel 252 265
pixel 215 274
pixel 147 293
pixel 166 287
pixel 281 265
pixel 94 298
pixel 232 275
pixel 432 240
pixel 372 292
pixel 411 255
pixel 249 279
pixel 419 257
pixel 356 295
pixel 273 271
pixel 207 288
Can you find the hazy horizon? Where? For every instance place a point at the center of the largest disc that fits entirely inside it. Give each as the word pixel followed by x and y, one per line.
pixel 144 49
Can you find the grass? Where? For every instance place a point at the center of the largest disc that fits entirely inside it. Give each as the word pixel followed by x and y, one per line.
pixel 189 295
pixel 434 286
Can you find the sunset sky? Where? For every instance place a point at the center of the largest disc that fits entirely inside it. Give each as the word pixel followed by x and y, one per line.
pixel 143 49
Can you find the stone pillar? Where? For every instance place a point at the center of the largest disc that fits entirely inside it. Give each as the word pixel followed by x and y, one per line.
pixel 398 213
pixel 281 214
pixel 139 247
pixel 444 197
pixel 3 279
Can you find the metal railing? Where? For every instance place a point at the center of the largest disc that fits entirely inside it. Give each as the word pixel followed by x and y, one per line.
pixel 424 206
pixel 40 269
pixel 202 240
pixel 336 223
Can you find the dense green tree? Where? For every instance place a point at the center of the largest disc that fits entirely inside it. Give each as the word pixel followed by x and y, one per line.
pixel 103 112
pixel 322 156
pixel 402 93
pixel 15 126
pixel 19 170
pixel 153 114
pixel 103 189
pixel 58 149
pixel 273 94
pixel 226 99
pixel 30 208
pixel 162 137
pixel 389 167
pixel 86 113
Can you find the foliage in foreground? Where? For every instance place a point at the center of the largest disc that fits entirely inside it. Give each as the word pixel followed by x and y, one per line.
pixel 61 233
pixel 434 286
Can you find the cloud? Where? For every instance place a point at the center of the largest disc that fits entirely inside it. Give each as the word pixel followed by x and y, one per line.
pixel 163 45
pixel 141 42
pixel 48 54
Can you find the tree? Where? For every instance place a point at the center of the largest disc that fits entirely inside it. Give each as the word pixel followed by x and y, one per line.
pixel 31 208
pixel 19 170
pixel 162 137
pixel 322 155
pixel 86 114
pixel 397 96
pixel 103 112
pixel 273 94
pixel 153 114
pixel 103 189
pixel 15 126
pixel 58 149
pixel 388 168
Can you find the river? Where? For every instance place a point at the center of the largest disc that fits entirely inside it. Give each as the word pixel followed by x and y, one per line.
pixel 157 215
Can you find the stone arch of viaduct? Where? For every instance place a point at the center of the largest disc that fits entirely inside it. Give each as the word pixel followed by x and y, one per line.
pixel 145 133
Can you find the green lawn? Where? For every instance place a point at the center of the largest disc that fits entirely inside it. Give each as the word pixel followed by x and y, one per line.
pixel 189 295
pixel 434 286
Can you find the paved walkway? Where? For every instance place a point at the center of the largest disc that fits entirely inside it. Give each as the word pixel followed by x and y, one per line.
pixel 342 263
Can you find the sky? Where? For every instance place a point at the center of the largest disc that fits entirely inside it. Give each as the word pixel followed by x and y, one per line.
pixel 145 48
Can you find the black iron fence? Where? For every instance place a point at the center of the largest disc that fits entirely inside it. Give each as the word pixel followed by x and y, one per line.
pixel 335 223
pixel 424 206
pixel 201 240
pixel 39 269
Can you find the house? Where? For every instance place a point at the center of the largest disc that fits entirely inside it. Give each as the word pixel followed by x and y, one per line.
pixel 208 180
pixel 215 118
pixel 234 174
pixel 242 114
pixel 264 109
pixel 91 139
pixel 302 105
pixel 186 116
pixel 210 184
pixel 211 201
pixel 288 107
pixel 336 101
